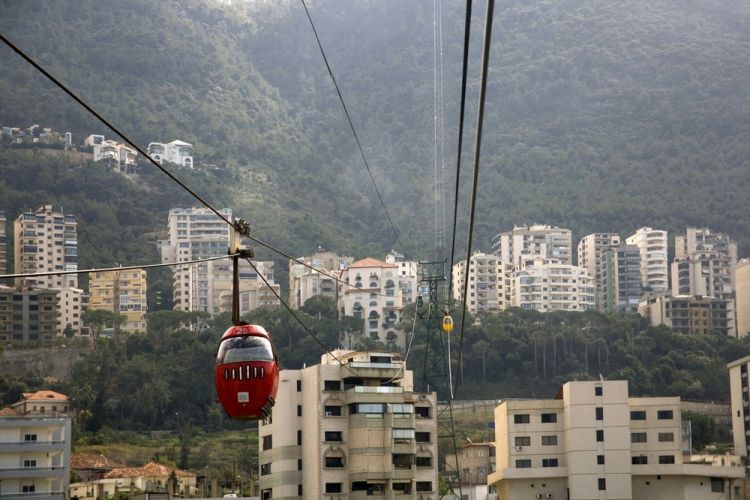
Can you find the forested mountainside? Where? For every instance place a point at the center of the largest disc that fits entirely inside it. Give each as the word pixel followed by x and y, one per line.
pixel 601 115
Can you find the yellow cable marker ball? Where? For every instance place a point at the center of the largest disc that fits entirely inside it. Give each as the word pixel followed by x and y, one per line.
pixel 447 324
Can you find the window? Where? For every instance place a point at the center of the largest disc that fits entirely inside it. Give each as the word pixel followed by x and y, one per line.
pixel 299 386
pixel 548 418
pixel 29 463
pixel 402 460
pixel 666 459
pixel 637 415
pixel 27 488
pixel 332 411
pixel 523 441
pixel 602 484
pixel 334 462
pixel 717 485
pixel 29 437
pixel 402 488
pixel 403 435
pixel 549 440
pixel 641 460
pixel 334 436
pixel 600 435
pixel 267 442
pixel 299 438
pixel 599 413
pixel 424 461
pixel 638 437
pixel 299 490
pixel 299 410
pixel 549 462
pixel 332 385
pixel 422 437
pixel 665 437
pixel 598 390
pixel 523 464
pixel 600 459
pixel 265 469
pixel 424 485
pixel 521 418
pixel 665 414
pixel 333 488
pixel 299 464
pixel 422 411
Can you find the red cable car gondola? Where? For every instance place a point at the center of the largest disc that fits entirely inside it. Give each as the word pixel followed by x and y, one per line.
pixel 246 372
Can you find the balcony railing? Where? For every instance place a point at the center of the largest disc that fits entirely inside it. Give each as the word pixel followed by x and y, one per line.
pixel 378 389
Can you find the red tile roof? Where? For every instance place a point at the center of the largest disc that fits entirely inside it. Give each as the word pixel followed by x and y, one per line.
pixel 370 262
pixel 9 412
pixel 44 396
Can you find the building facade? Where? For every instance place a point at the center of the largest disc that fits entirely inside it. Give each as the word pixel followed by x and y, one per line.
pixel 553 286
pixel 252 296
pixel 490 283
pixel 620 279
pixel 592 441
pixel 529 243
pixel 46 240
pixel 305 283
pixel 590 251
pixel 349 431
pixel 194 233
pixel 652 243
pixel 44 404
pixel 476 462
pixel 742 294
pixel 28 316
pixel 34 457
pixel 688 314
pixel 178 152
pixel 3 244
pixel 122 292
pixel 71 304
pixel 739 394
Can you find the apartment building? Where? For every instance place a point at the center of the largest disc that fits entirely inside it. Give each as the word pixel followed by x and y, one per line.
pixel 530 243
pixel 688 314
pixel 742 294
pixel 122 292
pixel 46 240
pixel 305 283
pixel 252 296
pixel 408 275
pixel 34 456
pixel 476 462
pixel 374 293
pixel 553 286
pixel 194 233
pixel 593 441
pixel 652 244
pixel 44 403
pixel 113 152
pixel 620 279
pixel 178 152
pixel 28 316
pixel 3 244
pixel 71 304
pixel 350 430
pixel 211 282
pixel 490 283
pixel 590 251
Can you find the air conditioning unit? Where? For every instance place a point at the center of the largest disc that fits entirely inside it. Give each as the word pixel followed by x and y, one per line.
pixel 548 495
pixel 519 448
pixel 539 495
pixel 329 414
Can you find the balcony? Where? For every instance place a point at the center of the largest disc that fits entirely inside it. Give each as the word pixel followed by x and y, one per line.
pixel 37 495
pixel 32 472
pixel 367 370
pixel 374 394
pixel 24 446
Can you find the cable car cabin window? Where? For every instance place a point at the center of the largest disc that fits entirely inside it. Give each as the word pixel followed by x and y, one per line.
pixel 238 349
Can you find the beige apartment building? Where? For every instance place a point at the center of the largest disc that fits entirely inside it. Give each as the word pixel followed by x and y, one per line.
pixel 529 243
pixel 652 243
pixel 408 273
pixel 350 429
pixel 553 286
pixel 688 314
pixel 210 281
pixel 123 292
pixel 71 304
pixel 476 462
pixel 740 403
pixel 46 240
pixel 594 442
pixel 490 283
pixel 305 283
pixel 3 244
pixel 252 296
pixel 590 251
pixel 742 294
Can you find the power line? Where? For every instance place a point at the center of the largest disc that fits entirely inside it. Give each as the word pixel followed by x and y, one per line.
pixel 351 126
pixel 477 150
pixel 119 268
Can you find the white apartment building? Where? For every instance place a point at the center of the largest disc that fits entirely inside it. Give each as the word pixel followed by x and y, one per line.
pixel 593 442
pixel 530 243
pixel 254 293
pixel 350 431
pixel 590 251
pixel 305 283
pixel 375 294
pixel 408 275
pixel 553 286
pixel 652 244
pixel 71 304
pixel 3 244
pixel 742 294
pixel 740 404
pixel 34 456
pixel 46 240
pixel 178 152
pixel 490 283
pixel 194 233
pixel 211 281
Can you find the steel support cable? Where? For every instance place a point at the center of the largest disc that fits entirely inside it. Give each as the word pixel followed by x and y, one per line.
pixel 107 269
pixel 467 32
pixel 354 131
pixel 91 110
pixel 299 320
pixel 477 152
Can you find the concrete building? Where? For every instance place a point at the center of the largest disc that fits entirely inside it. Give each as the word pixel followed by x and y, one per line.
pixel 116 154
pixel 476 462
pixel 490 283
pixel 688 314
pixel 153 478
pixel 652 244
pixel 194 233
pixel 210 281
pixel 44 404
pixel 253 295
pixel 740 402
pixel 408 275
pixel 178 152
pixel 305 283
pixel 3 244
pixel 122 292
pixel 620 279
pixel 529 243
pixel 553 286
pixel 375 295
pixel 592 441
pixel 590 251
pixel 34 456
pixel 28 316
pixel 46 240
pixel 742 294
pixel 349 431
pixel 71 304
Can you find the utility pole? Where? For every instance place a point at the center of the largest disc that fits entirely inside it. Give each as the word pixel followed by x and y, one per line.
pixel 237 252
